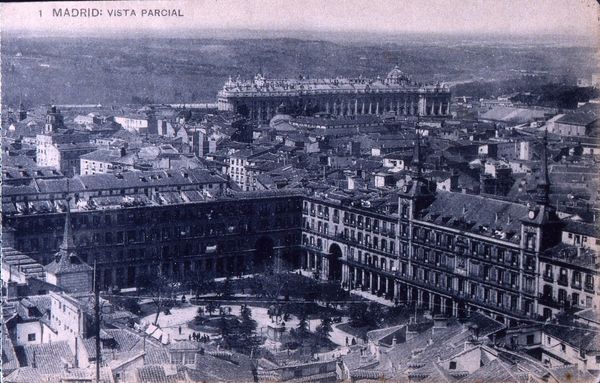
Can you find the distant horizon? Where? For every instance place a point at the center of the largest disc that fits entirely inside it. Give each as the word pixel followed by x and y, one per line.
pixel 392 18
pixel 330 35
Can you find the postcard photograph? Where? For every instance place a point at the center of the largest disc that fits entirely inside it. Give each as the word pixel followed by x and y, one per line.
pixel 300 191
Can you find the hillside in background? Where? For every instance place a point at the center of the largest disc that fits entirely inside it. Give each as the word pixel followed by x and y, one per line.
pixel 110 71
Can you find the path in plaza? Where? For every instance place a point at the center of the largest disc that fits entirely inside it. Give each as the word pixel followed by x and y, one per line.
pixel 180 317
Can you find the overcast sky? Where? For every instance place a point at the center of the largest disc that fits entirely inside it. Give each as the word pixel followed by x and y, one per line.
pixel 388 16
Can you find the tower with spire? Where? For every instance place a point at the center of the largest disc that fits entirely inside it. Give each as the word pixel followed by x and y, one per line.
pixel 542 196
pixel 54 120
pixel 68 271
pixel 22 112
pixel 417 192
pixel 541 228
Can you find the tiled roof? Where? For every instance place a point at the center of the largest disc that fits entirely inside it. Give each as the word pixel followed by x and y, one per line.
pixel 578 118
pixel 67 262
pixel 24 375
pixel 495 371
pixel 486 326
pixel 577 336
pixel 573 374
pixel 513 115
pixel 573 255
pixel 379 334
pixel 477 214
pixel 22 262
pixel 41 303
pixel 101 155
pixel 49 358
pixel 589 314
pixel 584 228
pixel 210 368
pixel 9 357
pixel 155 373
pixel 324 377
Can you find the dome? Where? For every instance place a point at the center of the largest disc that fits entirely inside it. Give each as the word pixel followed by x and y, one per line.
pixel 396 75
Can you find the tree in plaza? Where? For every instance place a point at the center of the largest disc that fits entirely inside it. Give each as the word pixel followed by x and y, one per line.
pixel 247 339
pixel 160 288
pixel 375 313
pixel 330 292
pixel 247 324
pixel 358 314
pixel 128 303
pixel 211 307
pixel 274 284
pixel 362 314
pixel 227 331
pixel 201 282
pixel 227 289
pixel 199 314
pixel 324 329
pixel 302 329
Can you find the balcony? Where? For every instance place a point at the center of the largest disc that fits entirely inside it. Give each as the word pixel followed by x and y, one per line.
pixel 549 301
pixel 563 281
pixel 589 287
pixel 576 285
pixel 548 277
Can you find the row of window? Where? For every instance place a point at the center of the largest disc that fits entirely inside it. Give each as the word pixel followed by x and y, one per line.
pixel 562 277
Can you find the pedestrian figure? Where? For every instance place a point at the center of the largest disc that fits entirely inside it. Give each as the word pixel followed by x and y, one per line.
pixel 346 341
pixel 179 330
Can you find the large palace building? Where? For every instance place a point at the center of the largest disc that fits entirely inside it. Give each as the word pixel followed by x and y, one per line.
pixel 259 99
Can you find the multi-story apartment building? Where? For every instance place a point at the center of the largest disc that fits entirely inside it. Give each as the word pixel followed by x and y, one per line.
pixel 451 252
pixel 569 270
pixel 128 224
pixel 258 99
pixel 245 165
pixel 58 148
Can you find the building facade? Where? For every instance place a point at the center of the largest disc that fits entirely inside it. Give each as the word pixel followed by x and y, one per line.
pixel 259 99
pixel 185 232
pixel 454 253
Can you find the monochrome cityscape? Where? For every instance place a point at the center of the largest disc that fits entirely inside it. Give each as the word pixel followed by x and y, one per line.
pixel 418 218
